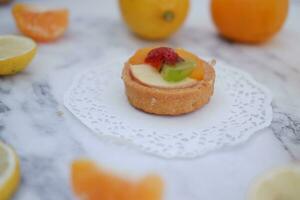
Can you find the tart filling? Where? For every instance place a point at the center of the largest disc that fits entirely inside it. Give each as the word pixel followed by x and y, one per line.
pixel 167 81
pixel 149 76
pixel 166 68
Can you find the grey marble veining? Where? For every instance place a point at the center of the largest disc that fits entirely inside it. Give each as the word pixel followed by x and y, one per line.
pixel 47 137
pixel 286 127
pixel 3 108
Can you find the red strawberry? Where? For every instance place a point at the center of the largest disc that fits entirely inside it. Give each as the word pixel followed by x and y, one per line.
pixel 162 55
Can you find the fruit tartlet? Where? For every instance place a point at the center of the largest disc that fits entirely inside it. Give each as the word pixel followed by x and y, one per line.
pixel 167 81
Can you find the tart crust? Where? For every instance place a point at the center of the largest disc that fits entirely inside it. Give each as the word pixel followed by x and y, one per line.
pixel 168 101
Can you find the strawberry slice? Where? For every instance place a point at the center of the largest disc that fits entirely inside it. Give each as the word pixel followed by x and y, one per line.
pixel 162 55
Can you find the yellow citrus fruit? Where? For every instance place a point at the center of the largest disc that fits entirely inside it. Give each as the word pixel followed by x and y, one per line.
pixel 16 52
pixel 91 182
pixel 154 19
pixel 9 172
pixel 249 21
pixel 40 23
pixel 278 184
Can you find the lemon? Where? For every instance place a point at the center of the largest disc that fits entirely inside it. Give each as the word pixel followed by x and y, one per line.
pixel 154 19
pixel 279 184
pixel 9 172
pixel 16 52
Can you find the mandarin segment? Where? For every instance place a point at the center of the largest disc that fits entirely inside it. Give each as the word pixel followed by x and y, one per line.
pixel 198 72
pixel 140 56
pixel 92 183
pixel 40 24
pixel 150 188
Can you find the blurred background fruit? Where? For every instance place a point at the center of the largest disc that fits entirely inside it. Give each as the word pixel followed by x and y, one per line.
pixel 16 52
pixel 4 1
pixel 40 23
pixel 249 21
pixel 154 19
pixel 93 183
pixel 277 184
pixel 9 171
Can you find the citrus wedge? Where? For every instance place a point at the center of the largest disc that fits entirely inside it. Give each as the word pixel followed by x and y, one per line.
pixel 279 184
pixel 16 52
pixel 93 183
pixel 9 172
pixel 40 23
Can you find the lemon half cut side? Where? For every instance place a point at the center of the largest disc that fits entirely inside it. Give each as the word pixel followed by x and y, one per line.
pixel 9 172
pixel 16 52
pixel 279 184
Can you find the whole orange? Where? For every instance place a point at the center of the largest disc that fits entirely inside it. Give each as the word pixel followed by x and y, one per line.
pixel 249 21
pixel 154 19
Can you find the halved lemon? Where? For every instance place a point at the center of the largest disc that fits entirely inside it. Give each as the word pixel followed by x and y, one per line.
pixel 279 184
pixel 16 52
pixel 9 172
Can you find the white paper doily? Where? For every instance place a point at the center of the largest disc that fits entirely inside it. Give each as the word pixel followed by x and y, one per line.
pixel 239 107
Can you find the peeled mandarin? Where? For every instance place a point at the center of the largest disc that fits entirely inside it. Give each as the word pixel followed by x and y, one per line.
pixel 198 72
pixel 93 183
pixel 139 56
pixel 40 24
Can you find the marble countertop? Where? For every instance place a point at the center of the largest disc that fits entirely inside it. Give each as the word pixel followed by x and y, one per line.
pixel 47 137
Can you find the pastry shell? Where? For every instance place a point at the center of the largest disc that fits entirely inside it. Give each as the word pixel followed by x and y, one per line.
pixel 162 101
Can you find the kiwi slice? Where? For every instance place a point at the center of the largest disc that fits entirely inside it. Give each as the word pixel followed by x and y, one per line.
pixel 179 71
